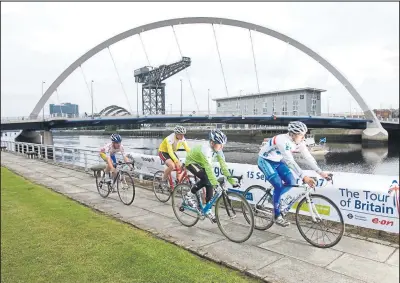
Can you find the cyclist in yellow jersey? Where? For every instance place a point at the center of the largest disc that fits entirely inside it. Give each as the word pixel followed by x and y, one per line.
pixel 167 150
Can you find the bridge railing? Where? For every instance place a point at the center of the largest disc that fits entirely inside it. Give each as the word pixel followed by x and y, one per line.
pixel 233 113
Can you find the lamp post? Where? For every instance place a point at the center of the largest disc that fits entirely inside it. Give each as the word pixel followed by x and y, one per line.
pixel 170 107
pixel 43 82
pixel 208 102
pixel 91 93
pixel 181 96
pixel 137 99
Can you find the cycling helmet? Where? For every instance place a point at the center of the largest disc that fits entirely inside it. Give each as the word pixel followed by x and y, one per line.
pixel 179 130
pixel 297 127
pixel 218 136
pixel 116 138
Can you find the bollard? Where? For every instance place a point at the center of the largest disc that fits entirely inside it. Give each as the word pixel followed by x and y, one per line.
pixel 86 163
pixel 62 155
pixel 45 153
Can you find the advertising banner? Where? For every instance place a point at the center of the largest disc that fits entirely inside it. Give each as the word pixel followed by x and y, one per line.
pixel 365 200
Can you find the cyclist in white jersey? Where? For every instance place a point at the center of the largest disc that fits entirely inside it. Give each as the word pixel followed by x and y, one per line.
pixel 275 160
pixel 107 153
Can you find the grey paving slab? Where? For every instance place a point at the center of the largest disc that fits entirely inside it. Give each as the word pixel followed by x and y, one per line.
pixel 394 258
pixel 164 209
pixel 241 255
pixel 125 212
pixel 154 221
pixel 146 203
pixel 302 251
pixel 290 270
pixel 70 180
pixel 365 269
pixel 364 249
pixel 291 232
pixel 192 236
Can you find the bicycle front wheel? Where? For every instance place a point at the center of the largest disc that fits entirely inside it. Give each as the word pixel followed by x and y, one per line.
pixel 186 215
pixel 320 221
pixel 161 193
pixel 234 217
pixel 126 188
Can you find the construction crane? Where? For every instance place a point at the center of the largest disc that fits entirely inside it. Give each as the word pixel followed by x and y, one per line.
pixel 153 88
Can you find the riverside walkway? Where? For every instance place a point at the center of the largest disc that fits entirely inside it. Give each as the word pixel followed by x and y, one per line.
pixel 277 255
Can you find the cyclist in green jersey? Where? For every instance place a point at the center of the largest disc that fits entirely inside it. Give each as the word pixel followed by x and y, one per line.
pixel 199 161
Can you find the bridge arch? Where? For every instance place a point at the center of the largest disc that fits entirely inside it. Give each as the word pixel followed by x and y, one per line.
pixel 376 125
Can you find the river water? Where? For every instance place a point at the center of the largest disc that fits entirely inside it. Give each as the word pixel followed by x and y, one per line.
pixel 343 157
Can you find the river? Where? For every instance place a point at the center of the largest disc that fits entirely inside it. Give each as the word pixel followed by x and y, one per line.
pixel 343 157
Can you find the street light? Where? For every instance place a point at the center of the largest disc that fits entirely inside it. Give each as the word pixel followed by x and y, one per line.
pixel 137 99
pixel 181 96
pixel 170 107
pixel 208 101
pixel 43 82
pixel 91 92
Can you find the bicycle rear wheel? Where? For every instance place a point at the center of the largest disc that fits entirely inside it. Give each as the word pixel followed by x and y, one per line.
pixel 126 188
pixel 186 215
pixel 162 194
pixel 263 211
pixel 234 217
pixel 102 188
pixel 330 220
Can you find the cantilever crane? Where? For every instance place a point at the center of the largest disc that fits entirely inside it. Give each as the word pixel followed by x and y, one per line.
pixel 153 89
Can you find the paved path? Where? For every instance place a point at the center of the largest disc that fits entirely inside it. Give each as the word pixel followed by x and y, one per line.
pixel 279 255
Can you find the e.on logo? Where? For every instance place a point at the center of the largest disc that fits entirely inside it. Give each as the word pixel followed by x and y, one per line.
pixel 382 222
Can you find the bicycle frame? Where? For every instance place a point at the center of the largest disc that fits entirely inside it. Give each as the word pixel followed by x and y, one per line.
pixel 179 177
pixel 306 193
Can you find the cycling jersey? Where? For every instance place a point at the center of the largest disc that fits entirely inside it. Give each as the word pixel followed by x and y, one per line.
pixel 281 147
pixel 171 144
pixel 109 149
pixel 204 156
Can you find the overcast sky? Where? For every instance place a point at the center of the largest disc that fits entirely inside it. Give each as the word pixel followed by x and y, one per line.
pixel 40 40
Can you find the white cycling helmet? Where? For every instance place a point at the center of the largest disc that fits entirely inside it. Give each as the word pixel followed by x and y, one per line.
pixel 217 136
pixel 297 128
pixel 179 130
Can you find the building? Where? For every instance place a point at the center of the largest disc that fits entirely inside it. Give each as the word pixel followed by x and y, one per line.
pixel 64 110
pixel 387 113
pixel 292 102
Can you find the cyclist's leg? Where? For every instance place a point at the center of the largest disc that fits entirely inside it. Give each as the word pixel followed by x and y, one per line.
pixel 287 176
pixel 168 162
pixel 113 163
pixel 109 163
pixel 272 176
pixel 200 173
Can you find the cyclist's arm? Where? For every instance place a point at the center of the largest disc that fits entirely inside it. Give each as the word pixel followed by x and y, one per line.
pixel 122 151
pixel 203 161
pixel 185 146
pixel 171 153
pixel 309 158
pixel 288 157
pixel 224 167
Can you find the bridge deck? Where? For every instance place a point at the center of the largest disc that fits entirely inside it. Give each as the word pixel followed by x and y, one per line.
pixel 277 255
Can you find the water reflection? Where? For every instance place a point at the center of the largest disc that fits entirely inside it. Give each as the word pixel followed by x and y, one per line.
pixel 342 157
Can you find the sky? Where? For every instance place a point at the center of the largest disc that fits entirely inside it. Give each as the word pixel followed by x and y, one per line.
pixel 40 40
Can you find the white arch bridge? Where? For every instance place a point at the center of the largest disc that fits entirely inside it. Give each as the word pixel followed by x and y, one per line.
pixel 373 132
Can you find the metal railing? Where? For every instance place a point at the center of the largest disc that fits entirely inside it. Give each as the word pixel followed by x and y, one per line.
pixel 234 113
pixel 79 157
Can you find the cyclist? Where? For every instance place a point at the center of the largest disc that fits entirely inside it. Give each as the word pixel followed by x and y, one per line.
pixel 275 158
pixel 167 150
pixel 107 153
pixel 199 162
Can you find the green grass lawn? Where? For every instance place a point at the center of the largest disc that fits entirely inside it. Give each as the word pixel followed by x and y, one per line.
pixel 46 237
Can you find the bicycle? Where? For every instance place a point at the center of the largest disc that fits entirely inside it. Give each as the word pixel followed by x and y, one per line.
pixel 319 213
pixel 160 191
pixel 121 177
pixel 224 200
